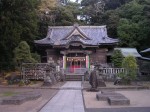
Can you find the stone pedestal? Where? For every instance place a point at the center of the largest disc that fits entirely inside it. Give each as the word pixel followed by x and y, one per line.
pixel 113 98
pixel 21 98
pixel 47 81
pixel 104 96
pixel 118 100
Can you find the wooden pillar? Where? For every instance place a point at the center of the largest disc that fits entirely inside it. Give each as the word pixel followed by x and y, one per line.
pixel 87 61
pixel 64 61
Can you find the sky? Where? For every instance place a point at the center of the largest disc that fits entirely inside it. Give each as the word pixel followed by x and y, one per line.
pixel 75 0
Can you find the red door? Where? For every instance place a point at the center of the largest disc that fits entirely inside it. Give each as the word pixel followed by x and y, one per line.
pixel 75 64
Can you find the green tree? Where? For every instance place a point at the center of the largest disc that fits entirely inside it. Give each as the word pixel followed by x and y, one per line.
pixel 128 20
pixel 18 22
pixel 60 15
pixel 130 65
pixel 36 56
pixel 133 28
pixel 102 12
pixel 128 33
pixel 22 54
pixel 117 58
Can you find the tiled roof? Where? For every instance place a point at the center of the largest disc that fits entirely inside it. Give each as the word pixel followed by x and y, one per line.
pixel 145 58
pixel 129 52
pixel 146 50
pixel 88 35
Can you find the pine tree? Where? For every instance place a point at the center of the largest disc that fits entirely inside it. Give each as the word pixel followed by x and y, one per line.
pixel 22 54
pixel 18 22
pixel 117 58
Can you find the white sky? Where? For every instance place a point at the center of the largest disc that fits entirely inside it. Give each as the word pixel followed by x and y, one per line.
pixel 75 0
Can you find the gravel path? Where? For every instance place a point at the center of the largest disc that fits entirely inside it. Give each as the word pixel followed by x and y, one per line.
pixel 29 106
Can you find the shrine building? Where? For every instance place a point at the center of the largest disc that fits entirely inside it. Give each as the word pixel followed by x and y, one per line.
pixel 76 46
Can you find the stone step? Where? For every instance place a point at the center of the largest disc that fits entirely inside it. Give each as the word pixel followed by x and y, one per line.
pixel 73 77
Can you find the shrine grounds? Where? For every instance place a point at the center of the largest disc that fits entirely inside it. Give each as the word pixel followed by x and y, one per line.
pixel 139 98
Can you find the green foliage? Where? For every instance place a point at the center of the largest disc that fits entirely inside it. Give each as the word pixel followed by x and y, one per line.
pixel 102 12
pixel 128 33
pixel 129 20
pixel 59 16
pixel 130 65
pixel 18 22
pixel 22 54
pixel 134 25
pixel 21 83
pixel 124 79
pixel 117 58
pixel 36 57
pixel 25 20
pixel 9 93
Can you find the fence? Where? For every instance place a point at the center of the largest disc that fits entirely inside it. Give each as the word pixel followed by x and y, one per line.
pixel 111 70
pixel 109 74
pixel 36 70
pixel 104 71
pixel 40 70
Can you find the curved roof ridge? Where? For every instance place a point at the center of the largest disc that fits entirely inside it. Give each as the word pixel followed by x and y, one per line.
pixel 49 33
pixel 111 38
pixel 76 31
pixel 102 26
pixel 78 39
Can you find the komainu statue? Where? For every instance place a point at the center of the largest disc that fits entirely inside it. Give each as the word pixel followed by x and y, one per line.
pixel 93 80
pixel 96 79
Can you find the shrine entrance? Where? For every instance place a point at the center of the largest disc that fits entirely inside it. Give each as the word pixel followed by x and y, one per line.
pixel 76 63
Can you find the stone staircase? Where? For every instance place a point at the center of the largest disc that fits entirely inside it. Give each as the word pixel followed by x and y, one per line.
pixel 74 77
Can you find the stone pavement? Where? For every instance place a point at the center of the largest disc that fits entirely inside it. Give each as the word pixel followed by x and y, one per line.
pixel 66 100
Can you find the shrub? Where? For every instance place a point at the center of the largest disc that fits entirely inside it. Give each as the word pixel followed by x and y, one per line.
pixel 36 57
pixel 13 78
pixel 117 58
pixel 22 54
pixel 130 65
